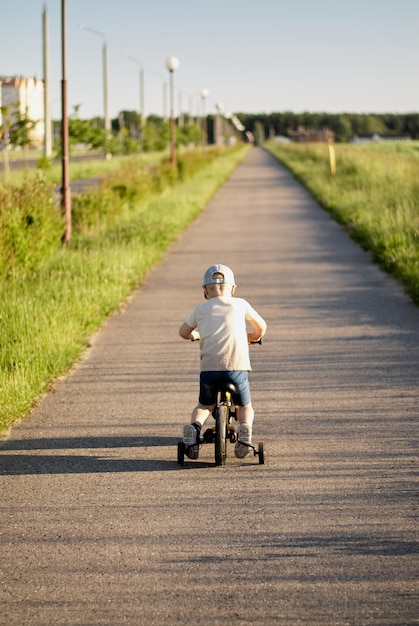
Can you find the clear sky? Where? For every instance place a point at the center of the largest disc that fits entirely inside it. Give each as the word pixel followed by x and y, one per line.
pixel 254 56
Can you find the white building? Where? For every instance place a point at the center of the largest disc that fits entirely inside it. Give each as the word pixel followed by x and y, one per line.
pixel 25 95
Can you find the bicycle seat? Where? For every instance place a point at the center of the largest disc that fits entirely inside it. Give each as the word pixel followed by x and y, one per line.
pixel 228 387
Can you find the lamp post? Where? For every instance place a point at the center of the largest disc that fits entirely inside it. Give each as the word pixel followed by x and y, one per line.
pixel 47 98
pixel 219 139
pixel 141 83
pixel 172 63
pixel 65 189
pixel 181 118
pixel 204 94
pixel 105 79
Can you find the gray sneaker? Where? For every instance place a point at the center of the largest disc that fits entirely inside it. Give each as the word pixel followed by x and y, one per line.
pixel 191 440
pixel 244 439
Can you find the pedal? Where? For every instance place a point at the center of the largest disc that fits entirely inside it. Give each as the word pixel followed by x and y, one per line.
pixel 232 434
pixel 209 436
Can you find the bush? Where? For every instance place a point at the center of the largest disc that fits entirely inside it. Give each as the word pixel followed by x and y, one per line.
pixel 31 226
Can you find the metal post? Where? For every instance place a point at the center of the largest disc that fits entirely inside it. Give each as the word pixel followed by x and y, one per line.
pixel 47 98
pixel 65 189
pixel 181 117
pixel 142 106
pixel 106 96
pixel 204 125
pixel 204 94
pixel 172 123
pixel 165 116
pixel 105 83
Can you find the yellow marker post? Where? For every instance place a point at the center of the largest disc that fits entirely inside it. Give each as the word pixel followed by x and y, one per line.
pixel 332 158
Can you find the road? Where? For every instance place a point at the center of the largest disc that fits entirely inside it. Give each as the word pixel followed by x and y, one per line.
pixel 30 161
pixel 100 526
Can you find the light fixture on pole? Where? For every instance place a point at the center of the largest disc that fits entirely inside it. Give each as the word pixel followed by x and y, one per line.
pixel 172 63
pixel 105 79
pixel 204 94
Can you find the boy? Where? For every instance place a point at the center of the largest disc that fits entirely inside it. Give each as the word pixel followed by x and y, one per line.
pixel 220 326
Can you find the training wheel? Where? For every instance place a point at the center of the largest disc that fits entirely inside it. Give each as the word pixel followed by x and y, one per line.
pixel 261 453
pixel 180 452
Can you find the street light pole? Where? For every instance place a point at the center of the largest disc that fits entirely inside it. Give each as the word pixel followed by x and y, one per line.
pixel 141 94
pixel 105 87
pixel 172 63
pixel 65 189
pixel 105 80
pixel 219 139
pixel 47 98
pixel 204 95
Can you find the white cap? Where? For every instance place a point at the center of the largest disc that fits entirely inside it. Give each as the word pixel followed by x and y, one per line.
pixel 218 274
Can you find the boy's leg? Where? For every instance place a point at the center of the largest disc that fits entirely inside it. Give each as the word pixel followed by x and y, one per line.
pixel 245 415
pixel 192 431
pixel 200 414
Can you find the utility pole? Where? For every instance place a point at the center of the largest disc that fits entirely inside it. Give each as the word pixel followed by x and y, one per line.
pixel 47 99
pixel 65 189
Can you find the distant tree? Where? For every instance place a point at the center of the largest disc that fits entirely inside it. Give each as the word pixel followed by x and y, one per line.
pixel 85 131
pixel 155 134
pixel 5 137
pixel 189 134
pixel 5 127
pixel 259 133
pixel 341 125
pixel 412 125
pixel 20 129
pixel 394 123
pixel 131 121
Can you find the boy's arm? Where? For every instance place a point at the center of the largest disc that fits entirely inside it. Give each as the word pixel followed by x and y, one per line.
pixel 259 328
pixel 187 332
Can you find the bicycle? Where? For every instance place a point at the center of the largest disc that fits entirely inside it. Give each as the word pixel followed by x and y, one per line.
pixel 223 431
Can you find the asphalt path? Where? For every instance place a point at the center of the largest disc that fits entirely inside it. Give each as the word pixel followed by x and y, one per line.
pixel 100 525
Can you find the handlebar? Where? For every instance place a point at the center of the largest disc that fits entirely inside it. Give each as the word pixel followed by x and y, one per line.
pixel 259 341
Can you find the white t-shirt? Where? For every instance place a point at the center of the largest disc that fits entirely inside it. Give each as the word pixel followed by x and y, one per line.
pixel 221 323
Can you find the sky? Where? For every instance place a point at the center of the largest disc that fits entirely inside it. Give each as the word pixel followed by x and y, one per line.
pixel 253 56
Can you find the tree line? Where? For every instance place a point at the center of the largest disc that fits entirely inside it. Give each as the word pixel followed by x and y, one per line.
pixel 153 133
pixel 131 134
pixel 344 125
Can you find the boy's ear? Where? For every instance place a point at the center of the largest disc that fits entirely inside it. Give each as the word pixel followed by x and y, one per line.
pixel 233 289
pixel 205 292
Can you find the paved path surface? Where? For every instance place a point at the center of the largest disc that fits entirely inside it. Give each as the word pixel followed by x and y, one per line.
pixel 99 525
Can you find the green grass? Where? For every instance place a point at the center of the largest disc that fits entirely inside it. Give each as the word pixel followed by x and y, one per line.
pixel 78 169
pixel 47 316
pixel 374 194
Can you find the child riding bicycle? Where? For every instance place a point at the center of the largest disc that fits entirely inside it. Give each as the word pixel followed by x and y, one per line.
pixel 220 325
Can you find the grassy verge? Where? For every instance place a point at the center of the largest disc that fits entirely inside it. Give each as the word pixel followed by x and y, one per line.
pixel 78 169
pixel 374 194
pixel 48 315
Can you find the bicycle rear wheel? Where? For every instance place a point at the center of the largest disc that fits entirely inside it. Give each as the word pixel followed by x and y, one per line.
pixel 220 436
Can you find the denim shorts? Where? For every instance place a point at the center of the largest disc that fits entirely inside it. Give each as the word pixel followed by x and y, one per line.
pixel 210 383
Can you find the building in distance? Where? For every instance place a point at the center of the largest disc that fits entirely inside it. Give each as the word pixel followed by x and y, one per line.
pixel 26 96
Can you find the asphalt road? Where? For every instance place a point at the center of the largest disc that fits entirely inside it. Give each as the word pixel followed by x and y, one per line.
pixel 99 525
